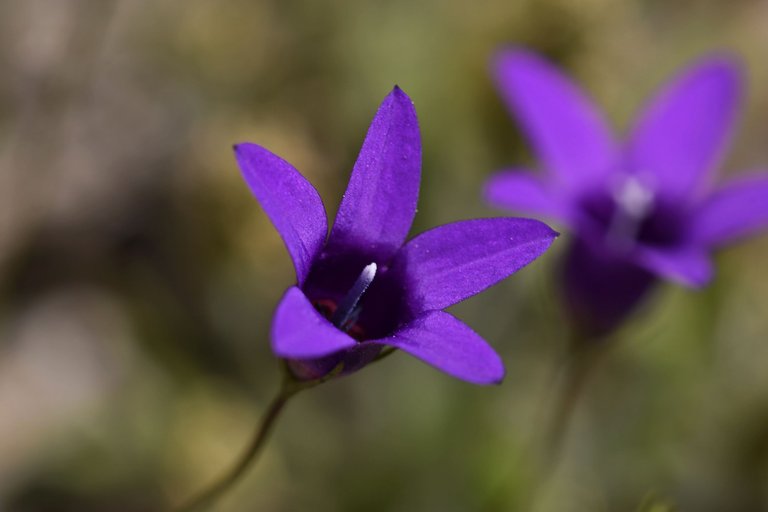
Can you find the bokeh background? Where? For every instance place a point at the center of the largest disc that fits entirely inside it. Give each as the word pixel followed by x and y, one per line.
pixel 138 275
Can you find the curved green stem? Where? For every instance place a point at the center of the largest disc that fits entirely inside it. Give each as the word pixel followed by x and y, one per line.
pixel 584 355
pixel 567 385
pixel 290 386
pixel 210 495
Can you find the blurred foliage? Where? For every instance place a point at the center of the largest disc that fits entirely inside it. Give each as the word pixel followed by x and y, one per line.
pixel 138 276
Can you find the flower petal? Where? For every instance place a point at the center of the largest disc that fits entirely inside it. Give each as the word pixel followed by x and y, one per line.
pixel 689 266
pixel 447 264
pixel 449 345
pixel 738 209
pixel 523 192
pixel 289 200
pixel 682 133
pixel 567 131
pixel 299 331
pixel 378 207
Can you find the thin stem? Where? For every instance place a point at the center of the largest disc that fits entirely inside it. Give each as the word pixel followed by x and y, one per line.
pixel 289 387
pixel 570 378
pixel 584 353
pixel 583 357
pixel 210 495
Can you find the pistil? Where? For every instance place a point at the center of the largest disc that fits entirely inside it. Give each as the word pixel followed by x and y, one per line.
pixel 346 314
pixel 634 201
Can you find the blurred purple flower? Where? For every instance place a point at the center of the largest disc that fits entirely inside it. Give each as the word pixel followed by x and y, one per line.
pixel 364 287
pixel 641 208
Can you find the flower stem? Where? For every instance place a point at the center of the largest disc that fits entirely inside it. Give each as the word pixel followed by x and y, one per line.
pixel 583 356
pixel 566 387
pixel 210 495
pixel 289 387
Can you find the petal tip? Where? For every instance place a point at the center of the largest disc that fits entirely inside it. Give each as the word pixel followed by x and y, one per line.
pixel 511 52
pixel 512 60
pixel 498 379
pixel 238 148
pixel 725 66
pixel 544 229
pixel 491 196
pixel 493 189
pixel 399 95
pixel 241 148
pixel 723 60
pixel 493 376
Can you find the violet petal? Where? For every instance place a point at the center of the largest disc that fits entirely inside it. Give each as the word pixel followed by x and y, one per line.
pixel 442 341
pixel 289 200
pixel 736 210
pixel 523 192
pixel 299 331
pixel 683 131
pixel 568 132
pixel 450 263
pixel 689 266
pixel 378 207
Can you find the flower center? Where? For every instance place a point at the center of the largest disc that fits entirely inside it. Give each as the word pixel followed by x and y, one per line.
pixel 346 312
pixel 634 203
pixel 633 213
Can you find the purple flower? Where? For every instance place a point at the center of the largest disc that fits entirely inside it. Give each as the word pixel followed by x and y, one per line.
pixel 641 208
pixel 364 288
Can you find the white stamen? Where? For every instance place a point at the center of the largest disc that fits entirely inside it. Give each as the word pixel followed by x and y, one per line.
pixel 348 306
pixel 634 197
pixel 634 201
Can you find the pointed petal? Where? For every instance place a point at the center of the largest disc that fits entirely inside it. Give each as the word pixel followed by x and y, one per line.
pixel 447 264
pixel 566 130
pixel 449 345
pixel 738 209
pixel 521 191
pixel 689 266
pixel 300 332
pixel 684 130
pixel 377 210
pixel 289 200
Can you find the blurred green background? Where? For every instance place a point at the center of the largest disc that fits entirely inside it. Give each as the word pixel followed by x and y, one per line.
pixel 138 275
